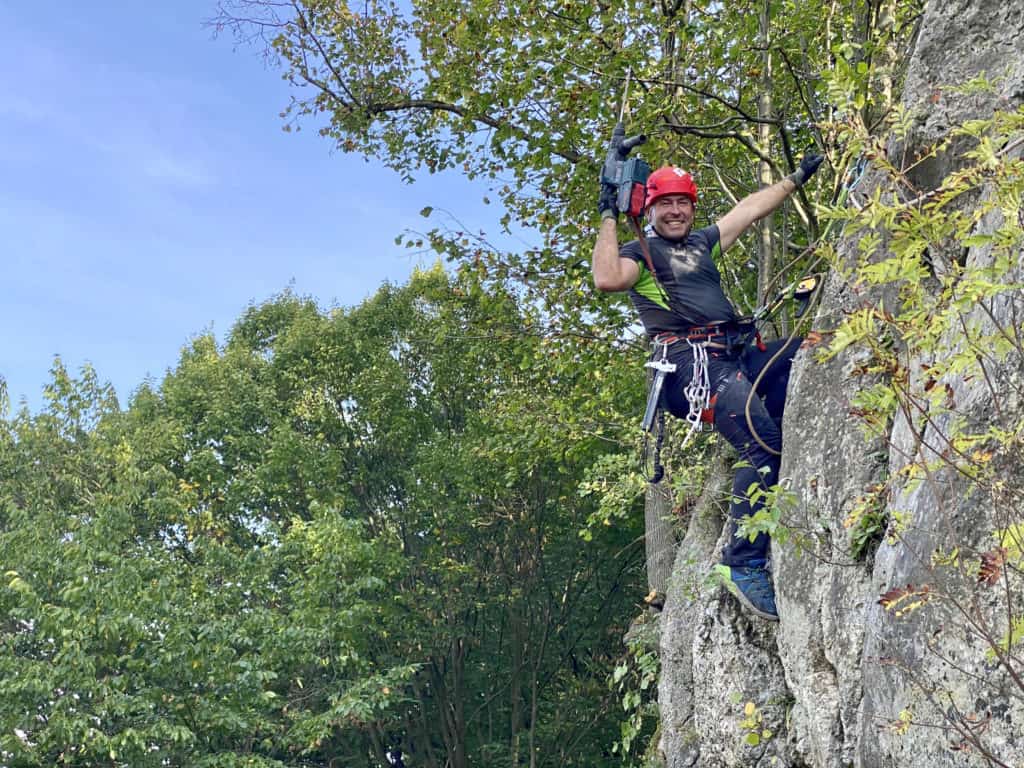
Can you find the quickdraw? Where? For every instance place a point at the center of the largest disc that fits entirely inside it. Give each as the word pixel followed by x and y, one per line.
pixel 697 393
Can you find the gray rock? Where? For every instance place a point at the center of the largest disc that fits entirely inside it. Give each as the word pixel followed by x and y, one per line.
pixel 842 681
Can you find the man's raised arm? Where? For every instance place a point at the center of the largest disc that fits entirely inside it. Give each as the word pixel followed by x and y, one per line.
pixel 612 272
pixel 757 205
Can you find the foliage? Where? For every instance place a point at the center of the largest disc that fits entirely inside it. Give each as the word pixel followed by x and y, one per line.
pixel 776 501
pixel 340 531
pixel 616 483
pixel 333 534
pixel 937 339
pixel 867 520
pixel 523 94
pixel 635 679
pixel 752 726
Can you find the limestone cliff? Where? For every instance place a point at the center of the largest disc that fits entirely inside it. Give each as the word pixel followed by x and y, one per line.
pixel 841 680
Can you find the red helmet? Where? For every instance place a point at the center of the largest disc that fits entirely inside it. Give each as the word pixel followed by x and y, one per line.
pixel 670 180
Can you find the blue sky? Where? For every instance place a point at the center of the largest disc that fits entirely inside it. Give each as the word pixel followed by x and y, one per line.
pixel 149 194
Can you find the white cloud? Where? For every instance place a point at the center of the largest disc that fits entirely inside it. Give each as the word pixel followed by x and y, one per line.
pixel 132 154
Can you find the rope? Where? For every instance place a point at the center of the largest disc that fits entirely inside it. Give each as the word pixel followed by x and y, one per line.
pixel 854 176
pixel 764 370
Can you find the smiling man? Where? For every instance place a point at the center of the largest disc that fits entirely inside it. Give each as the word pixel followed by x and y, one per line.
pixel 677 290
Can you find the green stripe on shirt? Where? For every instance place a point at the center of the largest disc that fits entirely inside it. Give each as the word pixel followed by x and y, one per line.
pixel 648 287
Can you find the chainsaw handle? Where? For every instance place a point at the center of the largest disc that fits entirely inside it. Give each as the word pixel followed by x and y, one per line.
pixel 631 142
pixel 620 145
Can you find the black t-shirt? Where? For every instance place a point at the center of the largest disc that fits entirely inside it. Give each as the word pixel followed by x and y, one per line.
pixel 687 272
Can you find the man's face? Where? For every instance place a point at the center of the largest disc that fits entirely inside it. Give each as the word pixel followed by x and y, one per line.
pixel 673 216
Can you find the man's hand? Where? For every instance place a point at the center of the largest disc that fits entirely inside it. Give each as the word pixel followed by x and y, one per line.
pixel 808 167
pixel 607 204
pixel 611 172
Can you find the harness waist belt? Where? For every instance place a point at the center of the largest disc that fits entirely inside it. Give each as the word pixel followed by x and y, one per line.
pixel 727 334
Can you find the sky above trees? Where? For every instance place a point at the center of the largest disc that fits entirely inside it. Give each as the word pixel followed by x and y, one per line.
pixel 150 193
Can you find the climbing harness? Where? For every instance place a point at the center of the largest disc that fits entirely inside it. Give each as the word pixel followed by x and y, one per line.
pixel 697 392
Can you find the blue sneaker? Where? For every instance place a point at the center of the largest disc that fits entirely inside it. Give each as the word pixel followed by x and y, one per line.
pixel 752 587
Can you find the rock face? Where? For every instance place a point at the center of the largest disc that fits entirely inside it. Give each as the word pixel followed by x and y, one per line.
pixel 841 680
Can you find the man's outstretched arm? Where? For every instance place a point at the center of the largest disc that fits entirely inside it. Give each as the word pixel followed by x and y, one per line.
pixel 757 205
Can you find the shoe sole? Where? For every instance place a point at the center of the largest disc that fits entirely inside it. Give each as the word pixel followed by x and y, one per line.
pixel 724 575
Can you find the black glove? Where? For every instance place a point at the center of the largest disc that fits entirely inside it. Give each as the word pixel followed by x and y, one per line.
pixel 808 167
pixel 607 203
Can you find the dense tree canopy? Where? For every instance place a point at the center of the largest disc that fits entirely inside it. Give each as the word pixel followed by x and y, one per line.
pixel 525 93
pixel 334 534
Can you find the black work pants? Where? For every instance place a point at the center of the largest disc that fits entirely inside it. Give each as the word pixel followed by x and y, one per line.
pixel 731 374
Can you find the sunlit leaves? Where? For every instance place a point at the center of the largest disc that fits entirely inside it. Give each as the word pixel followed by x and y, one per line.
pixel 1008 642
pixel 903 600
pixel 524 93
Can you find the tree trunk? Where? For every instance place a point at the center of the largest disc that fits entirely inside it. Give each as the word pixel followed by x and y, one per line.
pixel 538 660
pixel 458 699
pixel 659 539
pixel 450 705
pixel 425 755
pixel 377 745
pixel 659 542
pixel 515 685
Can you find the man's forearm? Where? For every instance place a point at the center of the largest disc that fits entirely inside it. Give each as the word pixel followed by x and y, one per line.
pixel 751 208
pixel 606 263
pixel 759 204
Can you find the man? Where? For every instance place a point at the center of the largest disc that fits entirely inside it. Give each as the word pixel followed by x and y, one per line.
pixel 683 304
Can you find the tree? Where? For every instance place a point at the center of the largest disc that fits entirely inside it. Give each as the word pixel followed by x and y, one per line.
pixel 334 534
pixel 525 92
